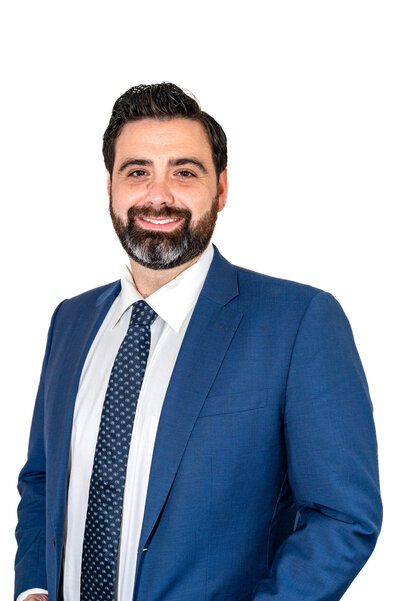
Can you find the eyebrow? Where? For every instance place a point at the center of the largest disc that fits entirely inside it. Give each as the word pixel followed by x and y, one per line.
pixel 171 163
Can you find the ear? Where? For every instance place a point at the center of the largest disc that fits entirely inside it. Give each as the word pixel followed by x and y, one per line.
pixel 108 183
pixel 222 189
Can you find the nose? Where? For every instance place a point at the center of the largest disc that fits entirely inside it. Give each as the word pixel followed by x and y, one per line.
pixel 159 192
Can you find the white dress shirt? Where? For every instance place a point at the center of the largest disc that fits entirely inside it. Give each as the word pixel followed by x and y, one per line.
pixel 174 303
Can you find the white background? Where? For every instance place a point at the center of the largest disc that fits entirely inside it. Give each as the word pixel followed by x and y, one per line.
pixel 308 94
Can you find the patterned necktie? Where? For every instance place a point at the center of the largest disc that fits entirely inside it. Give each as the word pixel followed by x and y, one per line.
pixel 106 491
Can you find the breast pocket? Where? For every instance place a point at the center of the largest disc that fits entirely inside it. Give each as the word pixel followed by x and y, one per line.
pixel 233 402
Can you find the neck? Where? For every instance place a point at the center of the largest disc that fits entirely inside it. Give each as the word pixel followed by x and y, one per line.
pixel 149 280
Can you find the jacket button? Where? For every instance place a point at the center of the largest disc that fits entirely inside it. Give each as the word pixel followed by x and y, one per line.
pixel 54 541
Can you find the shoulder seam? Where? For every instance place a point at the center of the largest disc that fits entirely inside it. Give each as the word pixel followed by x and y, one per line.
pixel 295 340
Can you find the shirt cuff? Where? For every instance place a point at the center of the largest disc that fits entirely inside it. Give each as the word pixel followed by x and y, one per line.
pixel 31 591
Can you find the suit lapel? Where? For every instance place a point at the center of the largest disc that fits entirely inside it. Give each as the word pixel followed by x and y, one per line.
pixel 206 341
pixel 63 382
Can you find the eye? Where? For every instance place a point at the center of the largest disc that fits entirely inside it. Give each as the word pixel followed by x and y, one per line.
pixel 186 173
pixel 136 173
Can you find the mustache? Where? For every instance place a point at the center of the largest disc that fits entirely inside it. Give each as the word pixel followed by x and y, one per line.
pixel 162 213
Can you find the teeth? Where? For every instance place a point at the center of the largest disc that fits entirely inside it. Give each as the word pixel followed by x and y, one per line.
pixel 159 221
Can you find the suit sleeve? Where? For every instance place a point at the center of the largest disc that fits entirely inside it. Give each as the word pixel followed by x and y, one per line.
pixel 332 463
pixel 30 565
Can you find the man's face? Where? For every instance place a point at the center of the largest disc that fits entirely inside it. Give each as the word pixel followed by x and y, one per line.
pixel 163 170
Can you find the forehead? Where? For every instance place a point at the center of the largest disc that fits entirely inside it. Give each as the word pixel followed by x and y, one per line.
pixel 169 137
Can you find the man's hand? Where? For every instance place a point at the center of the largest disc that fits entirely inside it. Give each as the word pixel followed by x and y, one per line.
pixel 37 597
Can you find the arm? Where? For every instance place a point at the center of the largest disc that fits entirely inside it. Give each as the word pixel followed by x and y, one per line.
pixel 30 567
pixel 332 463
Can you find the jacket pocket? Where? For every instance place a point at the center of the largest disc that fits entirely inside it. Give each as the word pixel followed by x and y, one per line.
pixel 234 402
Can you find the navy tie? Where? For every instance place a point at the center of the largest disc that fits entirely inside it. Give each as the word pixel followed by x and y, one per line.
pixel 106 491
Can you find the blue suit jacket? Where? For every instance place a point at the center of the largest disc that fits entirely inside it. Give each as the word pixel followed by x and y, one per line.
pixel 264 479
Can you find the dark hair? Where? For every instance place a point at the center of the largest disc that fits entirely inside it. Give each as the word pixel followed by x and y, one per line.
pixel 162 101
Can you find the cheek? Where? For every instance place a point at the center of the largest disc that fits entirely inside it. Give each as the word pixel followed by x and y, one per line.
pixel 124 197
pixel 197 200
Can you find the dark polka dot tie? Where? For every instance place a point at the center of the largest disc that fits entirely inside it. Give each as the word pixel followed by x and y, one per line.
pixel 106 491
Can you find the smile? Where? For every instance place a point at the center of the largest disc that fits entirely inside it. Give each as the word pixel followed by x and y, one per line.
pixel 159 221
pixel 159 224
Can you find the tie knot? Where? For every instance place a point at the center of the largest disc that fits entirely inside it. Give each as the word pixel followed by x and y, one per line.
pixel 142 313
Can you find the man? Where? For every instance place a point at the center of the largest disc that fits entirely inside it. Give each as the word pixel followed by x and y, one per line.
pixel 213 442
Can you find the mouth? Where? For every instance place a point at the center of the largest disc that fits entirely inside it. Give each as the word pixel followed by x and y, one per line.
pixel 164 224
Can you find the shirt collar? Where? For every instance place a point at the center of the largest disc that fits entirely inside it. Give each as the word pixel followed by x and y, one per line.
pixel 173 301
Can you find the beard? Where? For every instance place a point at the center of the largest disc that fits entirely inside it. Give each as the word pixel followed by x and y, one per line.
pixel 156 249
